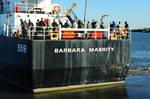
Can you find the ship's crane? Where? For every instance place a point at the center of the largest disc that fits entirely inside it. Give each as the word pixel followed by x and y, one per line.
pixel 70 9
pixel 102 18
pixel 75 16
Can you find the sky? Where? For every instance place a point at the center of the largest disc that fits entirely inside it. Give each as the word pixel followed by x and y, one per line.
pixel 135 12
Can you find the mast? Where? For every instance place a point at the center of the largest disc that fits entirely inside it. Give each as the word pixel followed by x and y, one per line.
pixel 85 12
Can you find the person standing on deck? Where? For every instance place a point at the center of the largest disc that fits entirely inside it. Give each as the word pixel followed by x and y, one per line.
pixel 119 25
pixel 113 26
pixel 23 27
pixel 66 25
pixel 93 23
pixel 102 25
pixel 75 25
pixel 126 26
pixel 54 25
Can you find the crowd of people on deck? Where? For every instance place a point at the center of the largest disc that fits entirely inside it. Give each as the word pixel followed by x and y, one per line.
pixel 54 25
pixel 118 31
pixel 114 26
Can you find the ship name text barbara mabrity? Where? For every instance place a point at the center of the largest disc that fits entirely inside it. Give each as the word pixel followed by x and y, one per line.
pixel 83 50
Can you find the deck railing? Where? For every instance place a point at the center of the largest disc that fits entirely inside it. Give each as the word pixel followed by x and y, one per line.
pixel 71 33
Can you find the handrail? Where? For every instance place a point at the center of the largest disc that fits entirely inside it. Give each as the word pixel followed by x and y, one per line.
pixel 82 29
pixel 82 33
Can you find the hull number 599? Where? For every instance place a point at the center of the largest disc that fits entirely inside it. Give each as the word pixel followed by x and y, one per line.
pixel 21 48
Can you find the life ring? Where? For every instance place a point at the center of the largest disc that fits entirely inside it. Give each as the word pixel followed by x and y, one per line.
pixel 57 8
pixel 54 36
pixel 124 32
pixel 113 36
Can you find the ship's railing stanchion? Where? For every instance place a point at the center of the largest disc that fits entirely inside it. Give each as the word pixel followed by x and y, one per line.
pixel 60 32
pixel 44 30
pixel 4 30
pixel 95 36
pixel 108 35
pixel 29 34
pixel 130 34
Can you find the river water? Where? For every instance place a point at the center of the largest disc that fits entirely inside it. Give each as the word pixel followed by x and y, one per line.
pixel 136 87
pixel 140 54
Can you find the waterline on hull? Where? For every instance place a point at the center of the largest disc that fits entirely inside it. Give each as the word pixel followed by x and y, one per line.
pixel 73 87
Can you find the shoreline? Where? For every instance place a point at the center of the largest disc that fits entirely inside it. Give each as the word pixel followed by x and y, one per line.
pixel 139 70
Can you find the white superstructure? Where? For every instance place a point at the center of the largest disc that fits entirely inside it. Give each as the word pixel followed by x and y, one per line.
pixel 11 11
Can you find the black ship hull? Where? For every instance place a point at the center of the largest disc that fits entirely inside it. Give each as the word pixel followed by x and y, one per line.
pixel 35 64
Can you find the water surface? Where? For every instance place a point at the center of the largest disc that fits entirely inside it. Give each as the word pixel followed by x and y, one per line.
pixel 140 53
